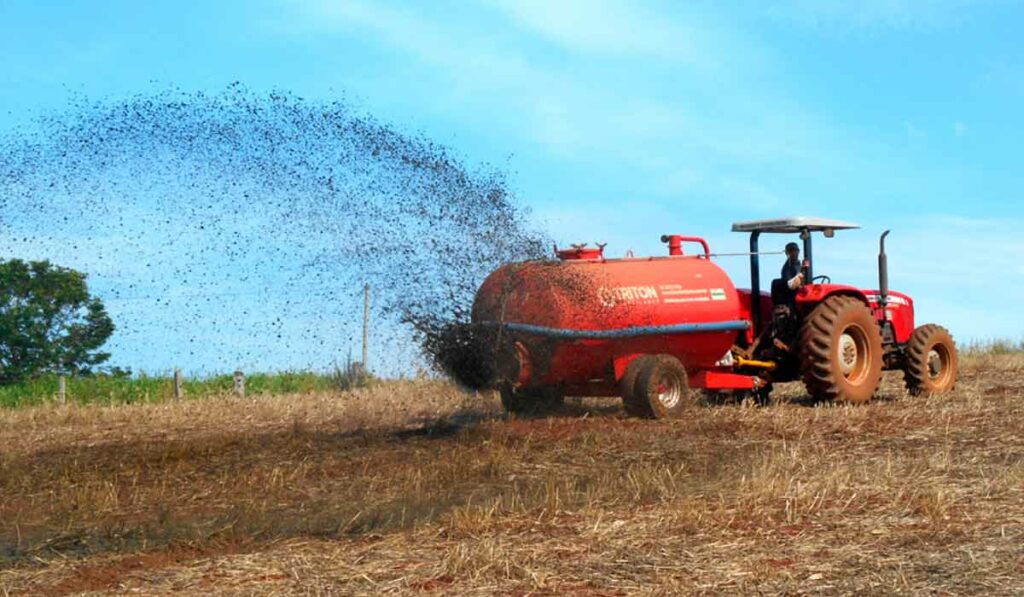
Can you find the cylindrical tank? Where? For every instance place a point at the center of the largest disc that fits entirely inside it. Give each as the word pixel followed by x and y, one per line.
pixel 566 322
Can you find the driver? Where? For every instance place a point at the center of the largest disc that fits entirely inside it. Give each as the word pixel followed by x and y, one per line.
pixel 794 271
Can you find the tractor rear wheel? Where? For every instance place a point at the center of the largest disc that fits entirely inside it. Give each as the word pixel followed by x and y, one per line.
pixel 662 389
pixel 841 351
pixel 531 401
pixel 932 363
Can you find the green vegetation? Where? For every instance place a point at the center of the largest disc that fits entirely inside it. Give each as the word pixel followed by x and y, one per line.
pixel 48 321
pixel 994 347
pixel 114 389
pixel 142 388
pixel 50 325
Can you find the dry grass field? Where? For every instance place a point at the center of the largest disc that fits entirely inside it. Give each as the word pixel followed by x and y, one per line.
pixel 413 487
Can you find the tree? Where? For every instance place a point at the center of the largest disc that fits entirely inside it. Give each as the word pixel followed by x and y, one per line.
pixel 48 321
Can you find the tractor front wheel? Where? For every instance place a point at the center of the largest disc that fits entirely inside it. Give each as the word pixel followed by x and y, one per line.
pixel 841 351
pixel 932 363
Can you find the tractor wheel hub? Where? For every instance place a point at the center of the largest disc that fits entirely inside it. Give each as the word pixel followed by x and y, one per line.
pixel 847 354
pixel 934 363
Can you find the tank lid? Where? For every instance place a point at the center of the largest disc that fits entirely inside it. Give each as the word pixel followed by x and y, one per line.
pixel 580 251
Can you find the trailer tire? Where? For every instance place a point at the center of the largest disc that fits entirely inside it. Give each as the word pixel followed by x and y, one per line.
pixel 841 351
pixel 932 363
pixel 627 386
pixel 662 389
pixel 530 402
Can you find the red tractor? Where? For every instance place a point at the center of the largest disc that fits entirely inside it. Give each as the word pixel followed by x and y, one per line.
pixel 655 329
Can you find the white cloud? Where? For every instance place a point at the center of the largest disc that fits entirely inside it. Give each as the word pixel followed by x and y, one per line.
pixel 959 270
pixel 726 102
pixel 725 134
pixel 1001 77
pixel 875 15
pixel 609 27
pixel 754 197
pixel 913 131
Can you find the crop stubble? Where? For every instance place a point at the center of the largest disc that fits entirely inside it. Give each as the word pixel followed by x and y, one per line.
pixel 417 487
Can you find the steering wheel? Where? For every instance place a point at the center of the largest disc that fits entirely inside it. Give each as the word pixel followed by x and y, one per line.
pixel 824 279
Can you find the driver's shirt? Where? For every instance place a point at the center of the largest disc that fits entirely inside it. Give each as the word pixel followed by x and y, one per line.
pixel 790 269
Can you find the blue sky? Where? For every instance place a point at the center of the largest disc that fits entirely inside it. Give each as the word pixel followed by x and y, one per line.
pixel 621 121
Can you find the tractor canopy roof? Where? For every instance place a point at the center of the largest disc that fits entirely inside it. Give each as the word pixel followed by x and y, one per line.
pixel 792 225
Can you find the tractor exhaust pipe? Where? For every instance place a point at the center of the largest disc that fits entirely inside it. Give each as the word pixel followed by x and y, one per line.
pixel 883 273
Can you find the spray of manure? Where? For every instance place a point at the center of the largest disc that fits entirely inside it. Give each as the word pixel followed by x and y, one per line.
pixel 247 224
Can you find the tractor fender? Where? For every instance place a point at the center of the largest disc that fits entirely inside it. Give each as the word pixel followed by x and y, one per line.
pixel 811 295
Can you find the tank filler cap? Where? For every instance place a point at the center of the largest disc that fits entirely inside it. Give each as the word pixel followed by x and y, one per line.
pixel 675 244
pixel 580 251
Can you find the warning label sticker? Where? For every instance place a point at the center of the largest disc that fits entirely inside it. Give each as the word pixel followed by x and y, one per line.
pixel 675 293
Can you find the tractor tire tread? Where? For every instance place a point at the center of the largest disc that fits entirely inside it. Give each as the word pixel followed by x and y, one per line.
pixel 816 349
pixel 917 349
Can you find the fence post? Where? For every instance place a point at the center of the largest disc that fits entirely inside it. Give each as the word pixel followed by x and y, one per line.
pixel 178 391
pixel 366 325
pixel 239 384
pixel 62 390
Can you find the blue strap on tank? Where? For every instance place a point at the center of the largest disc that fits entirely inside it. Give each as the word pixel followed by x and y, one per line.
pixel 630 332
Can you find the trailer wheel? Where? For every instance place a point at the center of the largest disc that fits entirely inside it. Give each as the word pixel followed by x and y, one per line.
pixel 932 362
pixel 531 401
pixel 841 351
pixel 662 388
pixel 627 386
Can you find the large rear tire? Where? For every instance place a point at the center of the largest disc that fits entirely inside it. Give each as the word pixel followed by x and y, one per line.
pixel 662 389
pixel 932 363
pixel 841 351
pixel 530 402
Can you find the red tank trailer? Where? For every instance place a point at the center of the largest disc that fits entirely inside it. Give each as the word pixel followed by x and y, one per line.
pixel 655 329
